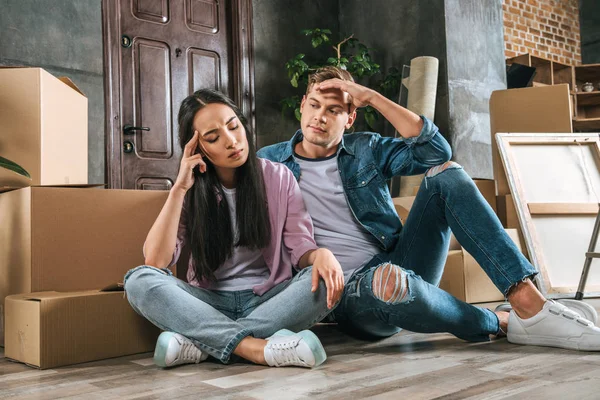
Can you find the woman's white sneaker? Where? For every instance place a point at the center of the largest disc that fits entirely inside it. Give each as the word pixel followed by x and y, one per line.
pixel 174 349
pixel 303 349
pixel 556 326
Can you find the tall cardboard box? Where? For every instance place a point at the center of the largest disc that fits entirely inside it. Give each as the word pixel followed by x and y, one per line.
pixel 51 329
pixel 43 128
pixel 544 109
pixel 65 239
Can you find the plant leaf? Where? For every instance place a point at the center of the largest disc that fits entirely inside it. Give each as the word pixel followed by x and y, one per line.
pixel 298 114
pixel 13 166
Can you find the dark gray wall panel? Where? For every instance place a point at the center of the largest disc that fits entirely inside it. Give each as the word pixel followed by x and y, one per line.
pixel 65 38
pixel 277 38
pixel 589 20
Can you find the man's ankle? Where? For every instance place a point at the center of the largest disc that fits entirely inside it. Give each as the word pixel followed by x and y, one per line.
pixel 525 299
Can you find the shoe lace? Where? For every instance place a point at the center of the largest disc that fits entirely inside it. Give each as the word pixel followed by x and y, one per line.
pixel 189 352
pixel 284 353
pixel 570 315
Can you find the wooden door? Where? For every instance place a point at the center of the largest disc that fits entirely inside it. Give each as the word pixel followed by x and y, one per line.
pixel 157 52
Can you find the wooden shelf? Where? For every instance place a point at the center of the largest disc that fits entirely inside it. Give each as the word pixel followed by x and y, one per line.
pixel 585 99
pixel 547 72
pixel 587 73
pixel 586 124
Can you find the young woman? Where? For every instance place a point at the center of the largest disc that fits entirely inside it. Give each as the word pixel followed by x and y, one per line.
pixel 246 225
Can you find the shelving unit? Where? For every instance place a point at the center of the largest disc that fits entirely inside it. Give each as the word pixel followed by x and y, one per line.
pixel 586 108
pixel 547 72
pixel 585 105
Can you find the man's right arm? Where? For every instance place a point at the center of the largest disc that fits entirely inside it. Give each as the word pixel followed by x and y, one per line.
pixel 412 156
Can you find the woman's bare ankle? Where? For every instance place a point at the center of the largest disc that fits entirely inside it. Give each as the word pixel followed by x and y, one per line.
pixel 252 349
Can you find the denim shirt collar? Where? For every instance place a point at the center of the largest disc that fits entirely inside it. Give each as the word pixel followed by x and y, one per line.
pixel 288 151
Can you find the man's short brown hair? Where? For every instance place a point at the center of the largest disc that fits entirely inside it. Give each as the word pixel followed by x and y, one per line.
pixel 325 73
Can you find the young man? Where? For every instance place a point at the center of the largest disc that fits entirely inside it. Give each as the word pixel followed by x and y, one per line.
pixel 392 270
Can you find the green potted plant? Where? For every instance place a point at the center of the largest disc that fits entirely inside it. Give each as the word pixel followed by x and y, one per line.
pixel 349 54
pixel 13 166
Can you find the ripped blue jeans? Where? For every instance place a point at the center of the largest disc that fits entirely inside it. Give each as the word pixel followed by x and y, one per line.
pixel 447 201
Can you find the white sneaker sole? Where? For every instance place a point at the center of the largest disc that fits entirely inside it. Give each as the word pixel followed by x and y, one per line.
pixel 550 341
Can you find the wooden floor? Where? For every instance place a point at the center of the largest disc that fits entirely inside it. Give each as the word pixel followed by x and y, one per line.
pixel 408 365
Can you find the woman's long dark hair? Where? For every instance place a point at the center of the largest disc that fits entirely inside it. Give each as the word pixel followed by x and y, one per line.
pixel 209 232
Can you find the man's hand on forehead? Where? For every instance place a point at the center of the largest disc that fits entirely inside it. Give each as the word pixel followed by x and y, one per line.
pixel 359 96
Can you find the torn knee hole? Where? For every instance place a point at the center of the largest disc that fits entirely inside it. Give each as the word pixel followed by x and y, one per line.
pixel 390 284
pixel 433 171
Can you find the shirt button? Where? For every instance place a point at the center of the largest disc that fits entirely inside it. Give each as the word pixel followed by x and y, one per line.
pixel 383 237
pixel 362 183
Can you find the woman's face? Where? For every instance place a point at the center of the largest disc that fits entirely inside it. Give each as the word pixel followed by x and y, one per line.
pixel 221 136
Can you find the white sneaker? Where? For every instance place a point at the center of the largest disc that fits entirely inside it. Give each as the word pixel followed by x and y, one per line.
pixel 174 349
pixel 582 308
pixel 556 326
pixel 302 349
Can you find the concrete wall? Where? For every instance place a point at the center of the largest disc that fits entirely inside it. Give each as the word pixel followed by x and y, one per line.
pixel 589 14
pixel 277 38
pixel 475 57
pixel 65 38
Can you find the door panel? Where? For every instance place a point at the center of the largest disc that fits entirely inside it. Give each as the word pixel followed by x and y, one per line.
pixel 202 15
pixel 152 101
pixel 151 10
pixel 205 67
pixel 156 54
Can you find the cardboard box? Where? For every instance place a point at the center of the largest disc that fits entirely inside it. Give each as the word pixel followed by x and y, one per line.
pixel 403 205
pixel 43 128
pixel 466 280
pixel 51 329
pixel 65 239
pixel 545 109
pixel 507 213
pixel 487 187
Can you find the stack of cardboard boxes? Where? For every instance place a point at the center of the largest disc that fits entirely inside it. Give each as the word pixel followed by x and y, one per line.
pixel 61 240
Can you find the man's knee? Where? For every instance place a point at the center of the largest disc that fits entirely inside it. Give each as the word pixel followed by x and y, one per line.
pixel 390 284
pixel 433 171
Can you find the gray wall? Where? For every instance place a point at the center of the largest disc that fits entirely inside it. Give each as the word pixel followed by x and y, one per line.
pixel 277 38
pixel 589 19
pixel 65 38
pixel 476 67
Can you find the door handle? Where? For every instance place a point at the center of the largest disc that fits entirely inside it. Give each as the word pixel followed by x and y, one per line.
pixel 129 130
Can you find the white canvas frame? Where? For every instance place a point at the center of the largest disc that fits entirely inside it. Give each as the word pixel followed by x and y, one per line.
pixel 555 251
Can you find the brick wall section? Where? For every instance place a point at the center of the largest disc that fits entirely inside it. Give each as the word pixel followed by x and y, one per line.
pixel 544 28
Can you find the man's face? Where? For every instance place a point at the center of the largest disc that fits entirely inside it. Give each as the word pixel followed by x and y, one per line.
pixel 325 116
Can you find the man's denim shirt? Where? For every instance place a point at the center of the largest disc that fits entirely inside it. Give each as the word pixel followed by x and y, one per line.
pixel 366 162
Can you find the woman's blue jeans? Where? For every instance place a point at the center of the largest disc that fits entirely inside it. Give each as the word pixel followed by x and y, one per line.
pixel 217 321
pixel 448 200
